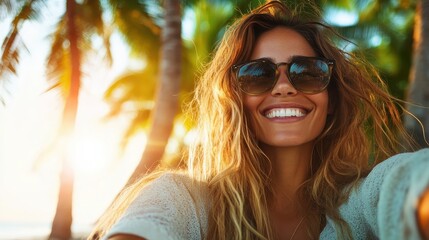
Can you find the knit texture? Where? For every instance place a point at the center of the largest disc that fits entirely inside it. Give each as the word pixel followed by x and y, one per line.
pixel 381 206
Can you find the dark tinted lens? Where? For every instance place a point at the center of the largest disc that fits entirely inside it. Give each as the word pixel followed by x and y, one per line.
pixel 256 77
pixel 309 75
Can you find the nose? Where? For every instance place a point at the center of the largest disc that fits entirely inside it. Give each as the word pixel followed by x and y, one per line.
pixel 283 86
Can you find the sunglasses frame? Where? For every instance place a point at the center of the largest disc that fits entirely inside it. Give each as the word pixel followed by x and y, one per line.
pixel 329 63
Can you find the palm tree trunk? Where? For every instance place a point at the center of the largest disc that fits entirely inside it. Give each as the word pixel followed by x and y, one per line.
pixel 61 226
pixel 166 102
pixel 418 92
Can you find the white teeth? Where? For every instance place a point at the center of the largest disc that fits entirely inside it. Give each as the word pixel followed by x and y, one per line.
pixel 285 112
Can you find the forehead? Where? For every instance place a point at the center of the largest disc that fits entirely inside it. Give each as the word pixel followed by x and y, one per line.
pixel 281 44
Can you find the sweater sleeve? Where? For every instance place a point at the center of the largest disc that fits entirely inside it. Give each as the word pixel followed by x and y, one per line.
pixel 399 194
pixel 167 208
pixel 383 205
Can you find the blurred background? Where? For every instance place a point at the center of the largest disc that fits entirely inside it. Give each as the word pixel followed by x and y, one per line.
pixel 93 92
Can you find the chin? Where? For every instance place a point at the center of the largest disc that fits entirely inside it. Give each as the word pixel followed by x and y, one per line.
pixel 281 143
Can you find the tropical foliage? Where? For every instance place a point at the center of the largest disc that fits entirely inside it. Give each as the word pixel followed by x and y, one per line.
pixel 383 32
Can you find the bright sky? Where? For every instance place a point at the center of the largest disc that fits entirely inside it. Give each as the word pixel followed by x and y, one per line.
pixel 28 191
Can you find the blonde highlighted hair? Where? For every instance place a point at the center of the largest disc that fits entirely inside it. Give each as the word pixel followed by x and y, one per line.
pixel 363 129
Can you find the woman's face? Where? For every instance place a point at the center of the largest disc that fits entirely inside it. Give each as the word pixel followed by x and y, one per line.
pixel 284 117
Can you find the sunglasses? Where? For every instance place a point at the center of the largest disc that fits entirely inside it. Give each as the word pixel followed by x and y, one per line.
pixel 309 75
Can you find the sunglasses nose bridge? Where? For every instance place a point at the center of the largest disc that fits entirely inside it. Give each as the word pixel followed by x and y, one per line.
pixel 283 83
pixel 282 70
pixel 282 67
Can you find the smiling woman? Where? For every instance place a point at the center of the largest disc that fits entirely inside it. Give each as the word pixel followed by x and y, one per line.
pixel 295 139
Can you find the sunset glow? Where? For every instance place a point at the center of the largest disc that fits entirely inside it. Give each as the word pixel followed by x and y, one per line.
pixel 29 155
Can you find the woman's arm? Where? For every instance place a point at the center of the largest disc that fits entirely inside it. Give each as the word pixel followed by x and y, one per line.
pixel 423 215
pixel 384 205
pixel 405 182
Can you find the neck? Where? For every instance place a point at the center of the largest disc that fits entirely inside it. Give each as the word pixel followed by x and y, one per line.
pixel 290 168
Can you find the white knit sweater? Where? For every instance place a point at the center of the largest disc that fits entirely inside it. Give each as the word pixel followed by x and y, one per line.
pixel 382 206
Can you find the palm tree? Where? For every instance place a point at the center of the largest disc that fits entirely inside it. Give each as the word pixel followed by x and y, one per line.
pixel 211 19
pixel 71 29
pixel 64 68
pixel 68 47
pixel 61 226
pixel 166 102
pixel 71 41
pixel 418 92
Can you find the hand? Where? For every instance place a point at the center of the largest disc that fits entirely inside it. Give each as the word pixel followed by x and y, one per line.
pixel 423 215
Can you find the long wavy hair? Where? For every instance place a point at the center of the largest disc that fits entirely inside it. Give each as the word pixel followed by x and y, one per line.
pixel 364 128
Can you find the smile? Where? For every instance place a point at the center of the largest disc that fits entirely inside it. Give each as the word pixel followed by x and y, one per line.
pixel 285 112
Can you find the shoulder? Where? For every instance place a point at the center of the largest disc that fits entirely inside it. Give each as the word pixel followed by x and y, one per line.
pixel 171 206
pixel 179 188
pixel 381 205
pixel 410 159
pixel 176 186
pixel 172 193
pixel 173 181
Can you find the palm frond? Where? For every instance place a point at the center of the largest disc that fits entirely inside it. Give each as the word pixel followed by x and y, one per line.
pixel 12 44
pixel 90 21
pixel 384 34
pixel 58 61
pixel 138 27
pixel 132 93
pixel 6 7
pixel 134 87
pixel 342 4
pixel 10 53
pixel 55 57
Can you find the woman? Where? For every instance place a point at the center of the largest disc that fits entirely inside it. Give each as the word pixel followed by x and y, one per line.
pixel 284 119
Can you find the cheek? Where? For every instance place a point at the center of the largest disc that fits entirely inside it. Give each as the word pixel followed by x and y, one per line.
pixel 322 109
pixel 251 104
